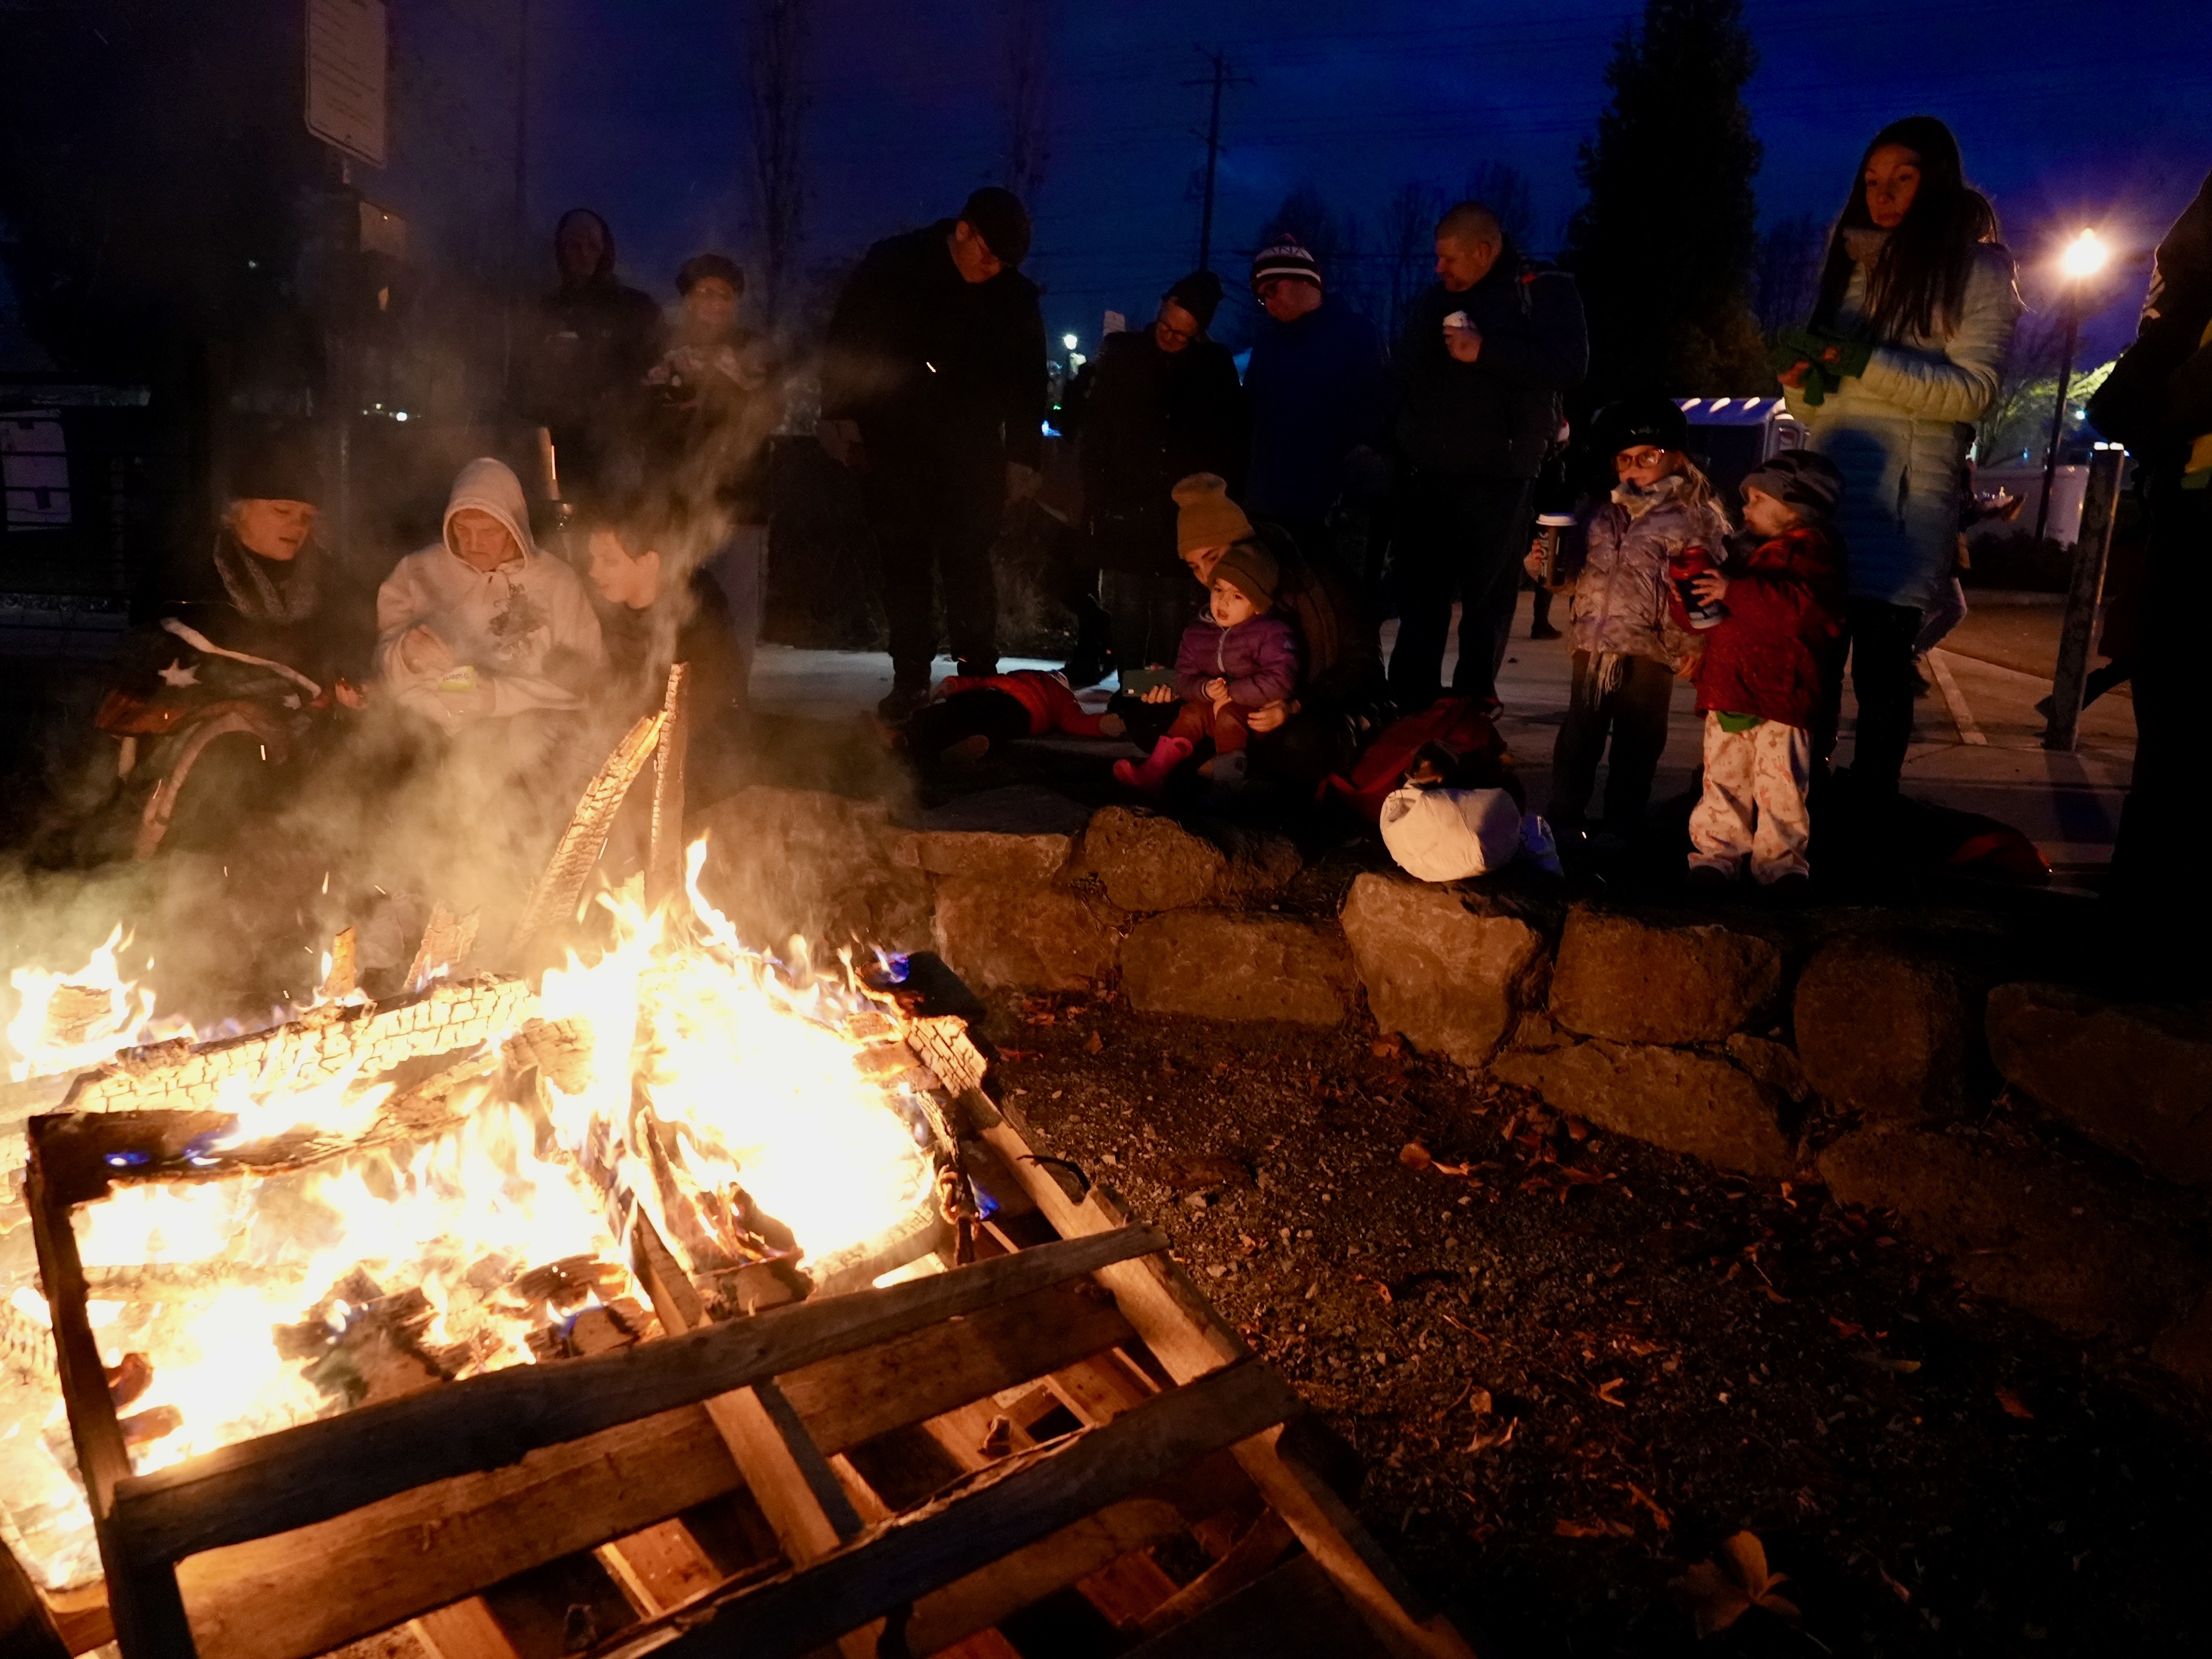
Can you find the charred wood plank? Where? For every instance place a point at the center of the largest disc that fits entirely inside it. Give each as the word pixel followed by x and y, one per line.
pixel 1014 1504
pixel 320 1047
pixel 313 1471
pixel 28 1629
pixel 664 864
pixel 141 1598
pixel 552 900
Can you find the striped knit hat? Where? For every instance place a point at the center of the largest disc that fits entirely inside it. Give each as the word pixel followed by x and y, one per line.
pixel 1285 257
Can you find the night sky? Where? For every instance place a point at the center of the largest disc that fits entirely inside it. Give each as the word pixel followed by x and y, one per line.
pixel 2069 113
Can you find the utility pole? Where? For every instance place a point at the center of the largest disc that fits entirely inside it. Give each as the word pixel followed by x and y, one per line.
pixel 1221 77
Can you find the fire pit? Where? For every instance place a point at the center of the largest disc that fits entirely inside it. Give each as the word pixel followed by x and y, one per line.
pixel 391 1272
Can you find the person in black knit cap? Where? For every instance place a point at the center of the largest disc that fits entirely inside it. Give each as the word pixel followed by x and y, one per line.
pixel 1165 403
pixel 933 394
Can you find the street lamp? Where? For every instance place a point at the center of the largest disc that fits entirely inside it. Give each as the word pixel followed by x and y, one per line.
pixel 2080 260
pixel 1069 341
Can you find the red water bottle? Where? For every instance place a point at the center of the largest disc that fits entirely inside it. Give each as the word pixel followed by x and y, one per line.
pixel 1682 569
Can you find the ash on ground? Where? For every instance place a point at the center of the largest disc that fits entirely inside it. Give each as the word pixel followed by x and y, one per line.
pixel 1575 1365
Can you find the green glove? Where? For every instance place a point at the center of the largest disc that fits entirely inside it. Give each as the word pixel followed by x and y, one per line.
pixel 1843 358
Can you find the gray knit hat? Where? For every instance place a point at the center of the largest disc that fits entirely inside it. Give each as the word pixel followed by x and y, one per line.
pixel 1285 257
pixel 1800 479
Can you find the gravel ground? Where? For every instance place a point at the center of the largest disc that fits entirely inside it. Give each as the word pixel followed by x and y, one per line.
pixel 1575 1365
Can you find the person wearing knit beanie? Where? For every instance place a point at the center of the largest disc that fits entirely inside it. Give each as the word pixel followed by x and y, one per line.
pixel 1200 294
pixel 1206 518
pixel 1286 258
pixel 1805 482
pixel 999 217
pixel 1252 571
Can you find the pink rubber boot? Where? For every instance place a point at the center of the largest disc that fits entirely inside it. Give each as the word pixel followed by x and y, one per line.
pixel 1150 775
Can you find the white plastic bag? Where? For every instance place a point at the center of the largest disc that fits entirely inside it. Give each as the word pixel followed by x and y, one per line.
pixel 1447 835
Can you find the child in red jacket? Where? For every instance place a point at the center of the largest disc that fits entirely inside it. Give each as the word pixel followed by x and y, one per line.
pixel 976 710
pixel 1760 679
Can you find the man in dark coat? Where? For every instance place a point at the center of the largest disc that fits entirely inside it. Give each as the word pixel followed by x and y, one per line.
pixel 934 392
pixel 1486 353
pixel 1318 392
pixel 1165 403
pixel 583 363
pixel 2158 401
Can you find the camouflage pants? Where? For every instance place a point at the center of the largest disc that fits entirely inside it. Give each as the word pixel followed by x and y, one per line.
pixel 1754 801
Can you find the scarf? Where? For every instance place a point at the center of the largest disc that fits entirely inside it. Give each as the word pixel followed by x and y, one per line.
pixel 255 587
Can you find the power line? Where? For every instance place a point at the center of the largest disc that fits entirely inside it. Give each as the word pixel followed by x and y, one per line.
pixel 1221 77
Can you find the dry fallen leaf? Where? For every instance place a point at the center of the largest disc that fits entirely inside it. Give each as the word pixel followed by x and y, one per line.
pixel 1414 1156
pixel 1093 1044
pixel 1719 1592
pixel 2013 1404
pixel 1665 1521
pixel 1489 1439
pixel 1605 1391
pixel 1596 1527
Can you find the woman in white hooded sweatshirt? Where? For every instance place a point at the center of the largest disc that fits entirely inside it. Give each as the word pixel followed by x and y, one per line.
pixel 1905 350
pixel 480 623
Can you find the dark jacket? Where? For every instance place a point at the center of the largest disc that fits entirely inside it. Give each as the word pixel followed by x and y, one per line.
pixel 298 613
pixel 1774 650
pixel 1259 658
pixel 1318 390
pixel 2158 399
pixel 1152 417
pixel 931 365
pixel 1494 417
pixel 692 627
pixel 1341 648
pixel 580 372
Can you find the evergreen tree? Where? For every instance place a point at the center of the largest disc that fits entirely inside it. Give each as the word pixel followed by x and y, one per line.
pixel 1665 244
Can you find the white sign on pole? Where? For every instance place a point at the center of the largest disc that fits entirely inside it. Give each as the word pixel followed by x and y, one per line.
pixel 345 76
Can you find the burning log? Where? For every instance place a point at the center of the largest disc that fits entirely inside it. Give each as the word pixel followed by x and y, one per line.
pixel 447 942
pixel 554 899
pixel 322 1047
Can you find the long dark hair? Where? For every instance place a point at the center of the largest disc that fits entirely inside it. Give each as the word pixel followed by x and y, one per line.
pixel 1919 277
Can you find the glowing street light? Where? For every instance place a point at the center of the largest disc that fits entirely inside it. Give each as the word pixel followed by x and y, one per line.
pixel 1069 341
pixel 2084 257
pixel 2079 261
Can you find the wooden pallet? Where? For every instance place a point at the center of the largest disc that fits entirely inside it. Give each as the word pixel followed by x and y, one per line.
pixel 1061 1434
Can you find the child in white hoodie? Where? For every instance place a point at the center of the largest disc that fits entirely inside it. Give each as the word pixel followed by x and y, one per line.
pixel 480 623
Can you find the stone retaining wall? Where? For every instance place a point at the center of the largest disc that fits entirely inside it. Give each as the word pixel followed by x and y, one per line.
pixel 1862 1046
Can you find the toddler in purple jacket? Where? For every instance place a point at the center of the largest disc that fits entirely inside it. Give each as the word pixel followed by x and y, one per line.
pixel 1234 658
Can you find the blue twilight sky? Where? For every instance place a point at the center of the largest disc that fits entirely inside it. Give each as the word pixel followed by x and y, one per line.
pixel 2069 113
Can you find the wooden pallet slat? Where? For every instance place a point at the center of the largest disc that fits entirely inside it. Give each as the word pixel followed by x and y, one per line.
pixel 1025 1499
pixel 313 1471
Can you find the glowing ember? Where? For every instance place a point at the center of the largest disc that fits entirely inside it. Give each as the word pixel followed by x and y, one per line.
pixel 700 1086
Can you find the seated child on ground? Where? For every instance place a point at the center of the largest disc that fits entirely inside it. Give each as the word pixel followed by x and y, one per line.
pixel 1235 659
pixel 973 711
pixel 1628 644
pixel 1766 667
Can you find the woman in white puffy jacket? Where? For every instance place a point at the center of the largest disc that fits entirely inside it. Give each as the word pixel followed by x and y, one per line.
pixel 1903 354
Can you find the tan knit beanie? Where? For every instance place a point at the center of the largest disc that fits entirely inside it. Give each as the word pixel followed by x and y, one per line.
pixel 1206 516
pixel 1252 571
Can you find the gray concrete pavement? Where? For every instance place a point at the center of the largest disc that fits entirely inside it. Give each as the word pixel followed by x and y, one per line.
pixel 1977 738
